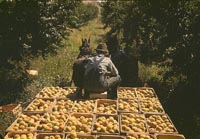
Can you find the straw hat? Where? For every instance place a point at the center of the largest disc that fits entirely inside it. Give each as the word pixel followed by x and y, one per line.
pixel 102 47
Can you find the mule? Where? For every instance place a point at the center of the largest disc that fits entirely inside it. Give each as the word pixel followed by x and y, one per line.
pixel 85 48
pixel 126 64
pixel 78 67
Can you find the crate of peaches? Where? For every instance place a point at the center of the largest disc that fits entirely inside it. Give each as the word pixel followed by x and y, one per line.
pixel 20 135
pixel 151 106
pixel 39 106
pixel 168 136
pixel 110 137
pixel 160 123
pixel 106 106
pixel 106 124
pixel 139 136
pixel 128 106
pixel 63 105
pixel 79 123
pixel 126 92
pixel 67 92
pixel 74 135
pixel 145 92
pixel 50 136
pixel 24 123
pixel 84 106
pixel 132 123
pixel 49 92
pixel 52 122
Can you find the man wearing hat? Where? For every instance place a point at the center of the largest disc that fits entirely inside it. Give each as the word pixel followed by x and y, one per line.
pixel 101 74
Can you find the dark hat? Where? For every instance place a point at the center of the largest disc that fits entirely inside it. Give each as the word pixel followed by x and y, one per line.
pixel 102 47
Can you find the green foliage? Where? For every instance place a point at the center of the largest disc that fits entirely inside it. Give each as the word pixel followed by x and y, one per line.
pixel 12 81
pixel 34 28
pixel 132 26
pixel 166 32
pixel 161 30
pixel 148 72
pixel 180 22
pixel 83 14
pixel 6 119
pixel 26 29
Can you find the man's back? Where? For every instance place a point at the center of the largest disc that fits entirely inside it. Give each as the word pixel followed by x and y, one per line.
pixel 101 74
pixel 104 64
pixel 93 71
pixel 97 68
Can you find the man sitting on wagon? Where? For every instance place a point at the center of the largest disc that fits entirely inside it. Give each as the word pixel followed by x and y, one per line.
pixel 101 74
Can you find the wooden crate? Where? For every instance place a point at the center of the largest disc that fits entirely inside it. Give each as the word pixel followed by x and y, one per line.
pixel 63 105
pixel 31 120
pixel 126 92
pixel 84 106
pixel 14 109
pixel 52 122
pixel 146 109
pixel 138 124
pixel 109 120
pixel 38 102
pixel 145 92
pixel 44 93
pixel 67 92
pixel 80 136
pixel 49 135
pixel 133 105
pixel 111 137
pixel 11 135
pixel 156 121
pixel 77 121
pixel 140 135
pixel 108 103
pixel 169 136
